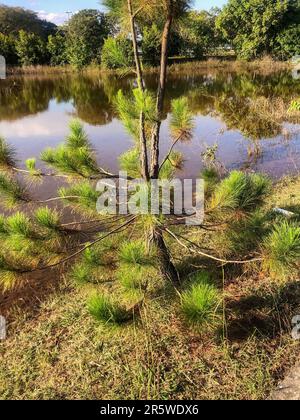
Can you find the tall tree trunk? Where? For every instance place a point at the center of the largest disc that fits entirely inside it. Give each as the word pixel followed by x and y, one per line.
pixel 143 140
pixel 161 92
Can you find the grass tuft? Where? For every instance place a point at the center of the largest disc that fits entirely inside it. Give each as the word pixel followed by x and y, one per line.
pixel 241 192
pixel 47 218
pixel 105 310
pixel 11 192
pixel 200 302
pixel 19 224
pixel 7 154
pixel 282 250
pixel 136 253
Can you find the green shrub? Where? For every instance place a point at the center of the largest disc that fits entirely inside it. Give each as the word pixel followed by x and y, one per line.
pixel 201 301
pixel 282 250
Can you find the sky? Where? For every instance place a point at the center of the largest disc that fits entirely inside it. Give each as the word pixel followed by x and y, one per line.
pixel 55 10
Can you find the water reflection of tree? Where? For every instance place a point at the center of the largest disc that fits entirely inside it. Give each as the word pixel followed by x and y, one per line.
pixel 230 95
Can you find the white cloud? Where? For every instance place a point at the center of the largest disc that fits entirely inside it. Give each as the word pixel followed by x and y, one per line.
pixel 57 18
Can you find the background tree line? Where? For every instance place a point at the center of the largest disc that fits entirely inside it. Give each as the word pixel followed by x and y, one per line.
pixel 252 28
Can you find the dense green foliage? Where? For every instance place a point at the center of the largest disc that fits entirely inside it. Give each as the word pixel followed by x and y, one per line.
pixel 56 47
pixel 31 49
pixel 252 28
pixel 255 27
pixel 15 19
pixel 117 53
pixel 86 32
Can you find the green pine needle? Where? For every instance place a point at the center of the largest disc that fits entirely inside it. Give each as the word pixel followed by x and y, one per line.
pixel 241 192
pixel 47 218
pixel 86 193
pixel 182 122
pixel 282 250
pixel 201 302
pixel 11 192
pixel 107 311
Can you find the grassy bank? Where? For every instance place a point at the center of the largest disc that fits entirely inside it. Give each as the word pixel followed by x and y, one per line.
pixel 266 65
pixel 55 350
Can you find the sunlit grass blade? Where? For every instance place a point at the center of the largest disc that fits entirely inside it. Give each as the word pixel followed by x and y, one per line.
pixel 47 218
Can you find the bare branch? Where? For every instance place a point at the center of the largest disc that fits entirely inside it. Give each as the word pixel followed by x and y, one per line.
pixel 91 244
pixel 221 260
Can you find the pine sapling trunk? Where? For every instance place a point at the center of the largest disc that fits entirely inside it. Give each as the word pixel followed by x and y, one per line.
pixel 166 266
pixel 161 93
pixel 143 140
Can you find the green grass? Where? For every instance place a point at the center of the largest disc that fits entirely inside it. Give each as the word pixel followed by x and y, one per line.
pixel 136 253
pixel 19 224
pixel 172 347
pixel 31 166
pixel 11 192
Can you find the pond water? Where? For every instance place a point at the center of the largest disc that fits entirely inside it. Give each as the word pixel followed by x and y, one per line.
pixel 35 112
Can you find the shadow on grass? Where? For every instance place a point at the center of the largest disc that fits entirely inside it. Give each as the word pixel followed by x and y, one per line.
pixel 269 315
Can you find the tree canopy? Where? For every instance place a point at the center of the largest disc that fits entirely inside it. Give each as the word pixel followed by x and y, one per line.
pixel 86 32
pixel 255 27
pixel 15 19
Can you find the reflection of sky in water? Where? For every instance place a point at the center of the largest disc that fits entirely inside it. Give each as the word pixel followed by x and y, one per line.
pixel 31 134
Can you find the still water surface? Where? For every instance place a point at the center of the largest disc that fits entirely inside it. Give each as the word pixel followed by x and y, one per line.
pixel 35 112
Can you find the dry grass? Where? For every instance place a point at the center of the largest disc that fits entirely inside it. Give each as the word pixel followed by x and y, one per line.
pixel 265 66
